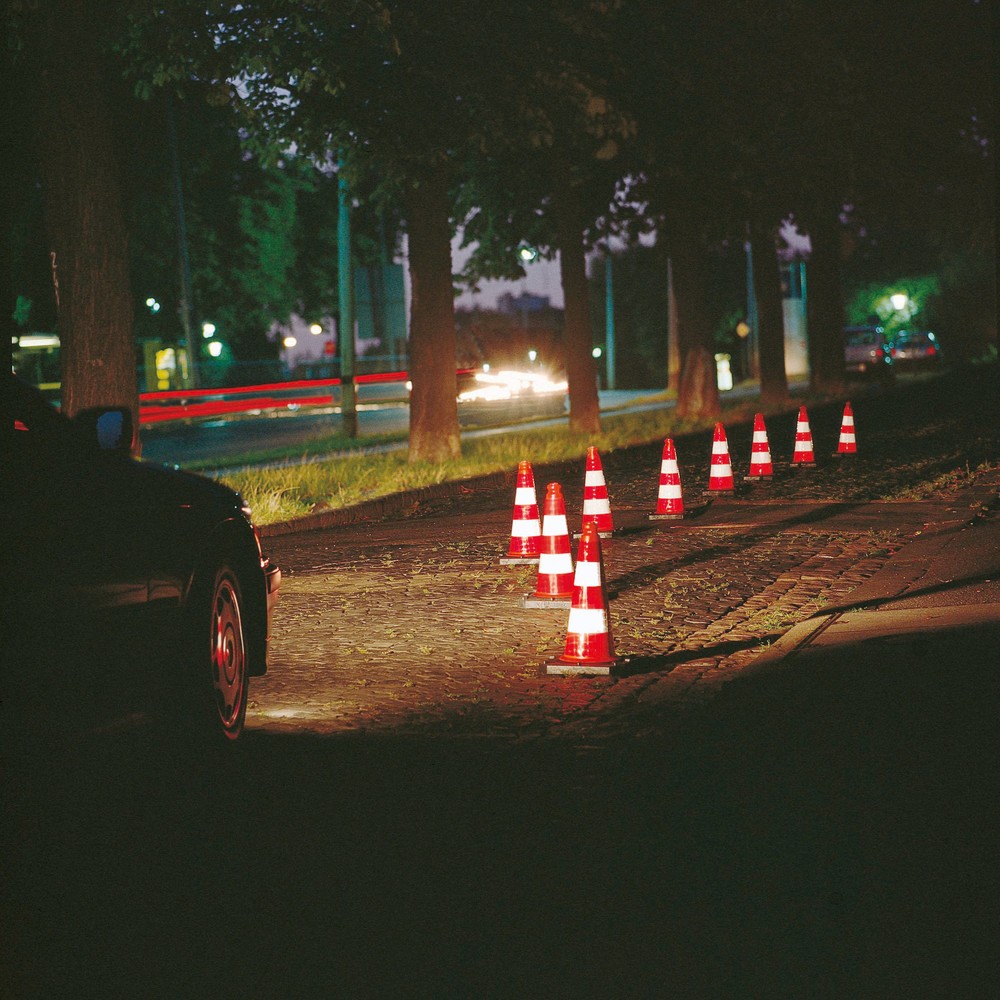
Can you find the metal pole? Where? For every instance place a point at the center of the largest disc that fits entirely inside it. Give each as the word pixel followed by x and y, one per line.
pixel 609 321
pixel 185 308
pixel 753 356
pixel 345 322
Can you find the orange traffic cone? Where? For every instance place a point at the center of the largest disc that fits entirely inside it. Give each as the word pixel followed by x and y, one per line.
pixel 525 531
pixel 554 588
pixel 803 454
pixel 596 503
pixel 720 479
pixel 760 452
pixel 669 500
pixel 589 646
pixel 847 444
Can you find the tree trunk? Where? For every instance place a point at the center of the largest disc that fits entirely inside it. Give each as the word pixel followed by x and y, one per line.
pixel 698 391
pixel 578 339
pixel 434 433
pixel 825 304
pixel 770 316
pixel 84 215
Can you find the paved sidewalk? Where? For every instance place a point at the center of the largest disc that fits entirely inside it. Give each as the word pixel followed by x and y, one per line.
pixel 400 624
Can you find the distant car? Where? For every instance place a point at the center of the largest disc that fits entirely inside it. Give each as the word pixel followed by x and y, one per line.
pixel 486 396
pixel 118 572
pixel 867 352
pixel 916 349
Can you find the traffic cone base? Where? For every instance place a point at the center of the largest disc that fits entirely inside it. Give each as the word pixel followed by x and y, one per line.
pixel 525 529
pixel 556 668
pixel 533 601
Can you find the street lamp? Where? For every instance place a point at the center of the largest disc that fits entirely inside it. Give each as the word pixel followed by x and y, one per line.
pixel 208 330
pixel 315 329
pixel 899 300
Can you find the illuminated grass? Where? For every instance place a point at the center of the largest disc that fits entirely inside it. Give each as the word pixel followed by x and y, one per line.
pixel 277 494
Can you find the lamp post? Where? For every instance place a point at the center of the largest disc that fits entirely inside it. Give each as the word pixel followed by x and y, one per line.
pixel 609 320
pixel 345 325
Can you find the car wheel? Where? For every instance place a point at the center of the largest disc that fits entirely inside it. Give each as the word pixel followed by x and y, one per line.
pixel 206 700
pixel 228 654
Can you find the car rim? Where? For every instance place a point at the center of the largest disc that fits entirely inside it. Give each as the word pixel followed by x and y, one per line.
pixel 228 654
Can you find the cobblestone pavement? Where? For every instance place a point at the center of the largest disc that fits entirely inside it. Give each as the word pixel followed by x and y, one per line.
pixel 412 621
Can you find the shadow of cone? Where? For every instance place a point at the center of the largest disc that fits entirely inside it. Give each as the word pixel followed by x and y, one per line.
pixel 669 499
pixel 761 466
pixel 589 647
pixel 554 587
pixel 847 445
pixel 720 477
pixel 802 456
pixel 596 502
pixel 525 530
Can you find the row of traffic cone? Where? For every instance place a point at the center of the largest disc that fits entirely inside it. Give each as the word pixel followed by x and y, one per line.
pixel 526 532
pixel 589 647
pixel 670 502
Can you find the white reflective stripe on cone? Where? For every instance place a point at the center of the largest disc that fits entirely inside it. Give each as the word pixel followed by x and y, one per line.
pixel 555 563
pixel 525 527
pixel 588 574
pixel 555 524
pixel 524 496
pixel 587 621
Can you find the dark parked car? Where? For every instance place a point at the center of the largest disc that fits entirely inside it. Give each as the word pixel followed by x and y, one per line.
pixel 913 350
pixel 867 353
pixel 121 575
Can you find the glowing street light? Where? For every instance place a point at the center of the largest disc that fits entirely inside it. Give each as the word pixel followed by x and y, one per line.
pixel 526 254
pixel 208 330
pixel 899 301
pixel 215 348
pixel 152 305
pixel 315 329
pixel 289 342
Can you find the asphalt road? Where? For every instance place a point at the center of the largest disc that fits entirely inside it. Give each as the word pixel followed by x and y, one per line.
pixel 822 832
pixel 220 440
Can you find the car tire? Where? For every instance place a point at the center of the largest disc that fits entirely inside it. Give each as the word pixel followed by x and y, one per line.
pixel 210 686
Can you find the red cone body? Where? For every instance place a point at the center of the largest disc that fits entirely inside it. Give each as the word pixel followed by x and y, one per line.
pixel 554 587
pixel 720 479
pixel 847 445
pixel 803 454
pixel 589 646
pixel 761 466
pixel 526 529
pixel 596 503
pixel 669 499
